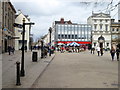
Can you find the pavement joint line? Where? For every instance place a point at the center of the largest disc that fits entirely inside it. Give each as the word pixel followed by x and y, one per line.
pixel 43 71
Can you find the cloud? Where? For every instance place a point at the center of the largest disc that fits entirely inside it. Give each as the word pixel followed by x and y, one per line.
pixel 45 12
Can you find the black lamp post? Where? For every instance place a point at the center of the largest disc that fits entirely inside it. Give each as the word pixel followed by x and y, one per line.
pixel 91 43
pixel 23 44
pixel 50 30
pixel 41 49
pixel 23 38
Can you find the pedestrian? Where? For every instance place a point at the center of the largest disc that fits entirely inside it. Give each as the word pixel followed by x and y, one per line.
pixel 101 51
pixel 93 50
pixel 117 53
pixel 9 49
pixel 12 49
pixel 112 51
pixel 98 50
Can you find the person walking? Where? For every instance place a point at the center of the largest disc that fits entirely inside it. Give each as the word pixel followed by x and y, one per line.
pixel 112 51
pixel 9 49
pixel 117 53
pixel 12 49
pixel 101 51
pixel 93 50
pixel 98 50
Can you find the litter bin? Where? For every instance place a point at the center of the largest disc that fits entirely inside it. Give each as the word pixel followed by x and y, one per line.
pixel 34 57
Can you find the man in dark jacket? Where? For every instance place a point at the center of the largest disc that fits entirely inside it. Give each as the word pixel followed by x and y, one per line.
pixel 117 53
pixel 9 49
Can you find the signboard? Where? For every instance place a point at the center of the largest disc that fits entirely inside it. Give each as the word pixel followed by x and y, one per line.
pixel 18 25
pixel 14 37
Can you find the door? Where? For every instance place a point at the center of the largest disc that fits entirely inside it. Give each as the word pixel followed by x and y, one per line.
pixel 101 45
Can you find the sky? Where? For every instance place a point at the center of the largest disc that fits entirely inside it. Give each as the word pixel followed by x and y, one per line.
pixel 44 12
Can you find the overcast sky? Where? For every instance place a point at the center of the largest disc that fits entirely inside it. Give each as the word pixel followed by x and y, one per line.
pixel 45 12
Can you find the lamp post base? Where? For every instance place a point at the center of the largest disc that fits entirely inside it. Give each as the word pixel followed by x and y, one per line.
pixel 22 73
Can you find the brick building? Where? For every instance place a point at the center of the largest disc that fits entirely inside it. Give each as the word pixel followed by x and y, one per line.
pixel 8 19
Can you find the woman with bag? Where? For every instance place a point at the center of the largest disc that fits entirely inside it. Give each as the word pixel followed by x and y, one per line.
pixel 112 51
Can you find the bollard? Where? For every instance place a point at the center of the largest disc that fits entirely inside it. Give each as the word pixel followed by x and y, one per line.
pixel 18 73
pixel 34 57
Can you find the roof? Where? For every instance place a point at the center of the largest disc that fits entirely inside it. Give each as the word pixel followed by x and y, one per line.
pixel 96 15
pixel 12 7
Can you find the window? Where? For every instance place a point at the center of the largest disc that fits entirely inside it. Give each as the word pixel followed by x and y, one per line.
pixel 100 20
pixel 113 29
pixel 68 36
pixel 65 36
pixel 117 29
pixel 72 36
pixel 106 21
pixel 59 36
pixel 75 36
pixel 107 44
pixel 95 26
pixel 62 36
pixel 100 26
pixel 106 27
pixel 95 20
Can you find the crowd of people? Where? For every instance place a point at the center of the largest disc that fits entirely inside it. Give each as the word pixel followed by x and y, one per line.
pixel 62 49
pixel 78 49
pixel 113 51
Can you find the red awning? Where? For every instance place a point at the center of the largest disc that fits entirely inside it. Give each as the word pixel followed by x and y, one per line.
pixel 79 42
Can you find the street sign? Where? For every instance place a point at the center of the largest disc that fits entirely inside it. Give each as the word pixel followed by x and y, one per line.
pixel 15 37
pixel 29 23
pixel 18 25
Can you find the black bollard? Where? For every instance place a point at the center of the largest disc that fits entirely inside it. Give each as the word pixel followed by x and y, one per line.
pixel 18 73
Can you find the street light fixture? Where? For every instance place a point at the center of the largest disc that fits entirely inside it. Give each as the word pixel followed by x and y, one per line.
pixel 50 30
pixel 23 44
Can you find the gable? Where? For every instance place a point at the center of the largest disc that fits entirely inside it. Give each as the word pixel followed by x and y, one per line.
pixel 101 15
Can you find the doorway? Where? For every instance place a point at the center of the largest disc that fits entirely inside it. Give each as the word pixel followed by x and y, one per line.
pixel 101 45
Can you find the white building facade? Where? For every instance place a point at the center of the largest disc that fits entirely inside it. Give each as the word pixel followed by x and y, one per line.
pixel 101 33
pixel 18 31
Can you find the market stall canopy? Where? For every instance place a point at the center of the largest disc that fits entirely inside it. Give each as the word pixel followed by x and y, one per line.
pixel 73 44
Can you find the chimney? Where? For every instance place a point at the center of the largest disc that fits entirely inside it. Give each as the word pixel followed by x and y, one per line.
pixel 112 20
pixel 69 22
pixel 62 21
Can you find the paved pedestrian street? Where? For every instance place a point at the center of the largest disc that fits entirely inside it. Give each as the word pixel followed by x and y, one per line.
pixel 79 70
